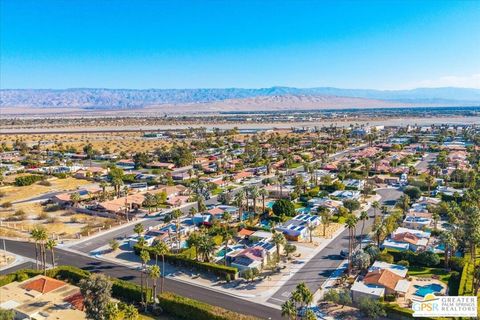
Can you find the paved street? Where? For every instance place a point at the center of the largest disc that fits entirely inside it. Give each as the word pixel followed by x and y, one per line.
pixel 424 163
pixel 318 269
pixel 89 263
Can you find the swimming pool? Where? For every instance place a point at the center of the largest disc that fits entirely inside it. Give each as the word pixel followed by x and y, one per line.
pixel 270 204
pixel 422 291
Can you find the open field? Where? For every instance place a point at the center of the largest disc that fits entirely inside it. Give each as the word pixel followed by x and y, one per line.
pixel 14 193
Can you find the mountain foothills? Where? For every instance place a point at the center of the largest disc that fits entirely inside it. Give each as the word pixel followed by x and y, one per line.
pixel 236 98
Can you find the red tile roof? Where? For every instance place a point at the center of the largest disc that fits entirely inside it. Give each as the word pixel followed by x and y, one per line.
pixel 76 300
pixel 44 284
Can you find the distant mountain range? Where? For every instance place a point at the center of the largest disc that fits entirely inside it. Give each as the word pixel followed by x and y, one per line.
pixel 215 99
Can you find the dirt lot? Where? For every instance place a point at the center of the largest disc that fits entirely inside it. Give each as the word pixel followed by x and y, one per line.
pixel 110 142
pixel 13 193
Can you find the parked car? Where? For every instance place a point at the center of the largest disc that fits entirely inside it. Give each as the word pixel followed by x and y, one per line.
pixel 344 253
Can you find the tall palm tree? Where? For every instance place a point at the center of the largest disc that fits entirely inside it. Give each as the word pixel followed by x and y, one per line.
pixel 42 238
pixel 51 244
pixel 363 218
pixel 450 244
pixel 139 229
pixel 239 198
pixel 375 206
pixel 278 239
pixel 325 217
pixel 226 236
pixel 263 194
pixel 176 214
pixel 350 223
pixel 154 274
pixel 161 248
pixel 145 257
pixel 34 236
pixel 281 181
pixel 254 194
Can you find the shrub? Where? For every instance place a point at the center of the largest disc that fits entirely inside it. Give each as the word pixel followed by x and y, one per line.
pixel 373 309
pixel 184 308
pixel 284 207
pixel 45 183
pixel 27 180
pixel 385 256
pixel 428 259
pixel 7 204
pixel 404 263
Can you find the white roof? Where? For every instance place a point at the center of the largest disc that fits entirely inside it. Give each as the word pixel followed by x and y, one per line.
pixel 394 244
pixel 10 304
pixel 395 268
pixel 402 286
pixel 261 234
pixel 370 289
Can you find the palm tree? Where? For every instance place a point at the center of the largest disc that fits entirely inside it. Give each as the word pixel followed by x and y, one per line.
pixel 239 198
pixel 227 236
pixel 161 248
pixel 281 181
pixel 34 236
pixel 363 218
pixel 450 244
pixel 75 198
pixel 350 223
pixel 279 239
pixel 378 230
pixel 103 185
pixel 375 206
pixel 254 194
pixel 192 211
pixel 289 310
pixel 41 237
pixel 138 229
pixel 263 193
pixel 193 241
pixel 145 257
pixel 325 217
pixel 176 214
pixel 154 274
pixel 206 246
pixel 51 244
pixel 429 180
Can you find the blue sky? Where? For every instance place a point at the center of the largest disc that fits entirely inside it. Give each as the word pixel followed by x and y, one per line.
pixel 193 44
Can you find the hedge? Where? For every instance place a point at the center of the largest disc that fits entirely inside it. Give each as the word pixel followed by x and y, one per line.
pixel 466 281
pixel 184 308
pixel 184 261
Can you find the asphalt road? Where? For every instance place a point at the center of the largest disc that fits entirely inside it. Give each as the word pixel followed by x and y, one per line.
pixel 63 257
pixel 317 270
pixel 423 164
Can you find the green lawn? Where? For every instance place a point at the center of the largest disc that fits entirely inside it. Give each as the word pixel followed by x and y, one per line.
pixel 425 272
pixel 217 191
